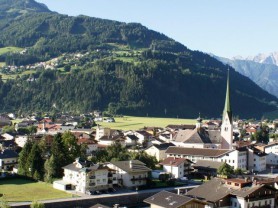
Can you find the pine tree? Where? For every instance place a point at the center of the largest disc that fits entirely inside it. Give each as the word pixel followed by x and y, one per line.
pixel 49 168
pixel 36 162
pixel 60 155
pixel 23 163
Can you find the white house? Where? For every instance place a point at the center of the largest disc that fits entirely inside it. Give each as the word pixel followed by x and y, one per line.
pixel 177 167
pixel 131 140
pixel 102 131
pixel 83 176
pixel 271 150
pixel 8 159
pixel 143 136
pixel 256 159
pixel 237 158
pixel 132 173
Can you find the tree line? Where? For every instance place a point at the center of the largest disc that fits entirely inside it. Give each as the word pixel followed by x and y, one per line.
pixel 42 162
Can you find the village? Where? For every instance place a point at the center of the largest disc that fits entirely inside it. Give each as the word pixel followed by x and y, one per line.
pixel 236 159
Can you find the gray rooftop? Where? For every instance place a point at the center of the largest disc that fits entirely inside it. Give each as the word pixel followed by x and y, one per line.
pixel 218 189
pixel 5 154
pixel 200 136
pixel 131 166
pixel 207 164
pixel 168 199
pixel 197 151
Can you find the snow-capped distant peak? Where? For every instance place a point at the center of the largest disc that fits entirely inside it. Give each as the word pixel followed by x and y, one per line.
pixel 271 58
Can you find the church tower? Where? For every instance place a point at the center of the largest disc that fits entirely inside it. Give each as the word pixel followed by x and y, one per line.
pixel 227 120
pixel 199 122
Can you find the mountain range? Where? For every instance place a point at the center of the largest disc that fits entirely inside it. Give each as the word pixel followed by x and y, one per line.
pixel 262 69
pixel 271 58
pixel 125 68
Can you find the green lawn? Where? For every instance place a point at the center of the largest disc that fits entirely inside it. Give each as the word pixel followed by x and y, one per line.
pixel 135 123
pixel 18 190
pixel 9 49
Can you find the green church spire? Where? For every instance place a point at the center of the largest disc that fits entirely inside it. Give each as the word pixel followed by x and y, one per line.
pixel 227 107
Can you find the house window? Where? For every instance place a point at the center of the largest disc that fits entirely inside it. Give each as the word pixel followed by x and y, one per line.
pixel 235 204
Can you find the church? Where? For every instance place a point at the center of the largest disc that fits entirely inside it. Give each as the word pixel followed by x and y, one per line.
pixel 201 137
pixel 211 144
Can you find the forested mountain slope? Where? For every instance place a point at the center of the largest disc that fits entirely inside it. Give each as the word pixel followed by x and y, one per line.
pixel 126 69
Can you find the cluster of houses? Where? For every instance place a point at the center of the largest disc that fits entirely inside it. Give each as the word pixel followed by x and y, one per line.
pixel 247 192
pixel 71 59
pixel 182 150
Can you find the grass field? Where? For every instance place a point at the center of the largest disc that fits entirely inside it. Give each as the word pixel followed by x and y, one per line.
pixel 19 190
pixel 135 123
pixel 9 49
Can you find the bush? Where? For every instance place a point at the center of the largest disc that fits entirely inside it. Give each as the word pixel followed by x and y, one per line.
pixel 171 182
pixel 164 177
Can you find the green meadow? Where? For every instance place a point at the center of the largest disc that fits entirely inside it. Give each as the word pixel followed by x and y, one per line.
pixel 135 123
pixel 21 190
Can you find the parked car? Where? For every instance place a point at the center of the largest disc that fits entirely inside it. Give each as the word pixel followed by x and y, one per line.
pixel 110 190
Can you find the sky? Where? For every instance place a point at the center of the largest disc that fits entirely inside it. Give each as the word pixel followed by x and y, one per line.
pixel 225 28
